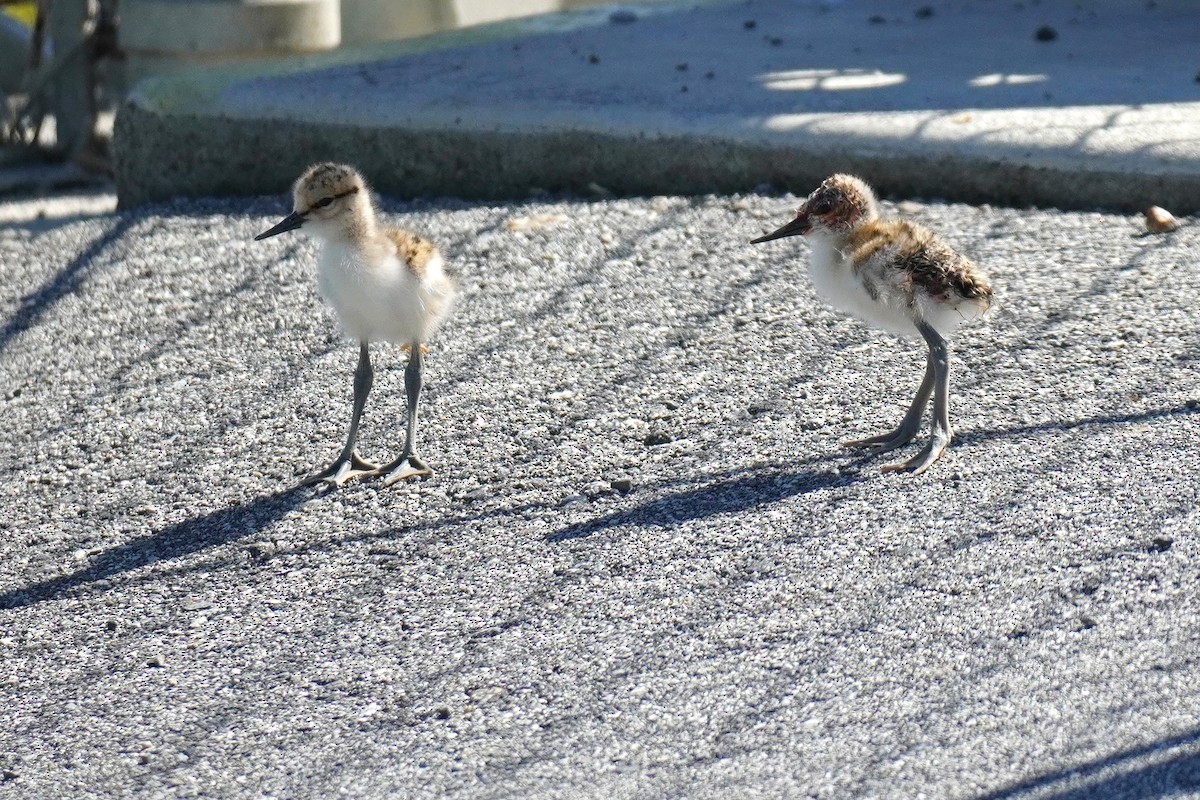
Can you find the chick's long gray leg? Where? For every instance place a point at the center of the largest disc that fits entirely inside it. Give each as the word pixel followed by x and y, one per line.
pixel 349 464
pixel 408 465
pixel 910 425
pixel 939 356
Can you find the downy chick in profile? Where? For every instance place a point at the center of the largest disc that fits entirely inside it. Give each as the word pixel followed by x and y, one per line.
pixel 900 277
pixel 384 284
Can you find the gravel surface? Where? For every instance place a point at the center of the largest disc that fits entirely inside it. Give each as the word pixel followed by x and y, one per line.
pixel 643 568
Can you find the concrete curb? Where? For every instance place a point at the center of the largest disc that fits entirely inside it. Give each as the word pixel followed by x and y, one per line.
pixel 232 134
pixel 499 164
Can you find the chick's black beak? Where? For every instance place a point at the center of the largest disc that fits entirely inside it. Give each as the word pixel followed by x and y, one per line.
pixel 289 223
pixel 797 227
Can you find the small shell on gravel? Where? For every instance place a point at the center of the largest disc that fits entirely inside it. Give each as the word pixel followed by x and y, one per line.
pixel 1159 220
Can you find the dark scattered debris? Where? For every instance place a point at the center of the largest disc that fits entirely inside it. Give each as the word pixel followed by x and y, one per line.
pixel 876 19
pixel 749 24
pixel 1161 543
pixel 924 12
pixel 623 16
pixel 593 59
pixel 1045 34
pixel 682 66
pixel 263 549
pixel 710 74
pixel 774 41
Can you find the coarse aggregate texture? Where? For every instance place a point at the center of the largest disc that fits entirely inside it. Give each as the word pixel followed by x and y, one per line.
pixel 643 568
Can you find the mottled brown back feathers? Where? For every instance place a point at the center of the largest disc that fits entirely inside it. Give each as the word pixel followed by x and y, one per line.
pixel 931 263
pixel 414 251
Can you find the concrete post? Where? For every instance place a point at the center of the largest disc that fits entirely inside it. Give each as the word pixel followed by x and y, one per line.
pixel 72 102
pixel 365 21
pixel 174 35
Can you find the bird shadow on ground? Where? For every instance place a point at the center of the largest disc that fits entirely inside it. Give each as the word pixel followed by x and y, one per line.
pixel 758 488
pixel 68 279
pixel 1175 776
pixel 737 492
pixel 174 541
pixel 981 436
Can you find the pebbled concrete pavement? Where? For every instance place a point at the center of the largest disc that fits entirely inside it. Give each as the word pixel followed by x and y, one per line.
pixel 1053 103
pixel 644 569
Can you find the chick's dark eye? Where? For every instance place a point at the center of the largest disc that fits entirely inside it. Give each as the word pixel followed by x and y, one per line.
pixel 822 206
pixel 324 202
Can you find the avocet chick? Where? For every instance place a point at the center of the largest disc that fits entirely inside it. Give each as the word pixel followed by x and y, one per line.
pixel 900 277
pixel 384 284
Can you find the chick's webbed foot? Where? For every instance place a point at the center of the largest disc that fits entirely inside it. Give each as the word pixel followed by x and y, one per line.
pixel 922 460
pixel 342 470
pixel 884 441
pixel 402 469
